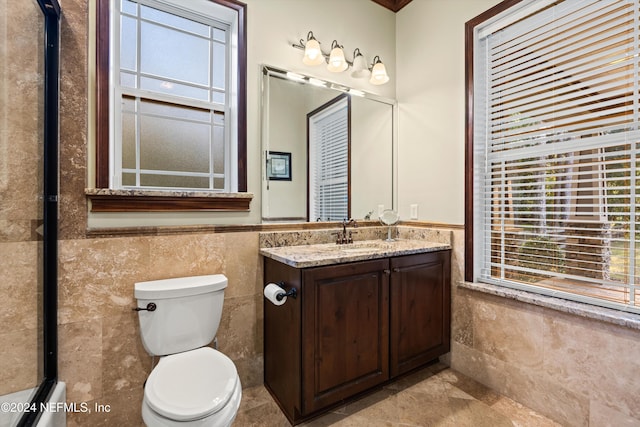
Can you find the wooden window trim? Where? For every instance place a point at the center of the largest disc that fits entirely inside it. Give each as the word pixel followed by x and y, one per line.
pixel 166 203
pixel 132 201
pixel 468 167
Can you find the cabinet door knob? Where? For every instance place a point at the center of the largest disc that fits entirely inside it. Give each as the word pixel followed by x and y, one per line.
pixel 396 270
pixel 386 271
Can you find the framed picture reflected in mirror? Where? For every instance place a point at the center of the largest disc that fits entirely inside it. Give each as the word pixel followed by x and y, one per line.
pixel 279 166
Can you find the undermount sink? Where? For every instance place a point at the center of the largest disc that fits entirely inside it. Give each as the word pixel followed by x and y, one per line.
pixel 357 249
pixel 364 246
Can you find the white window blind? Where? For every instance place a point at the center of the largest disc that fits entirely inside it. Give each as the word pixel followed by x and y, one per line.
pixel 329 163
pixel 556 152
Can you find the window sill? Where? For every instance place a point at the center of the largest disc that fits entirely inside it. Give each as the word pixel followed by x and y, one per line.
pixel 616 317
pixel 108 200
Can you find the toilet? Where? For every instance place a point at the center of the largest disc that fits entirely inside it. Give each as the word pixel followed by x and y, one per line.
pixel 192 384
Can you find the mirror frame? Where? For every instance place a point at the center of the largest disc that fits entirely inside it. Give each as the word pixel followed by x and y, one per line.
pixel 268 71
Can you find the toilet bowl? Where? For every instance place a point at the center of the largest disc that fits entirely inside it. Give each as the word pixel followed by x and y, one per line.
pixel 195 388
pixel 192 384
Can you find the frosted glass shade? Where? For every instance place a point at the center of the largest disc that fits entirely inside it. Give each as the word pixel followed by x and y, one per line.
pixel 312 53
pixel 360 70
pixel 379 74
pixel 337 62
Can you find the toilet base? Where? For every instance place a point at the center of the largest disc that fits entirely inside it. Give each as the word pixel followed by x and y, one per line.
pixel 222 418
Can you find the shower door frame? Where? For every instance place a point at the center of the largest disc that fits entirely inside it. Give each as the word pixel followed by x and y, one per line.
pixel 51 12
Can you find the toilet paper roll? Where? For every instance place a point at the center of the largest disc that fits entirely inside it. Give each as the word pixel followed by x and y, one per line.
pixel 270 292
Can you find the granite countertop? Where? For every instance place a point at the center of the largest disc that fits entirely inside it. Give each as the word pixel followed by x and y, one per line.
pixel 302 256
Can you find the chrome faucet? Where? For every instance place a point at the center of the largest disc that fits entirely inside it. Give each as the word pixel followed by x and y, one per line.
pixel 343 236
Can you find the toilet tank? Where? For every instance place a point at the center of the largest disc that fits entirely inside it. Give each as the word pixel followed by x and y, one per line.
pixel 187 314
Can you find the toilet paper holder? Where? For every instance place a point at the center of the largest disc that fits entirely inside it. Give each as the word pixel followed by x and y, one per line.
pixel 293 292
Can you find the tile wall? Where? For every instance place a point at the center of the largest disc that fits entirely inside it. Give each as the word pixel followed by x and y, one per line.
pixel 101 356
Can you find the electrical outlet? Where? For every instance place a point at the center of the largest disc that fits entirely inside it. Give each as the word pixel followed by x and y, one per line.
pixel 414 212
pixel 380 209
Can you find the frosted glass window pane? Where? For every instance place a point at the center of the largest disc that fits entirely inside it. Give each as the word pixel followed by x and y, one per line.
pixel 217 97
pixel 128 7
pixel 169 181
pixel 174 21
pixel 218 183
pixel 129 179
pixel 127 48
pixel 173 145
pixel 218 149
pixel 174 111
pixel 170 88
pixel 128 141
pixel 171 54
pixel 219 65
pixel 219 35
pixel 128 80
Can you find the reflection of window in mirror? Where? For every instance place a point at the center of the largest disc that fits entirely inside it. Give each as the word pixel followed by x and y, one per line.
pixel 178 113
pixel 328 148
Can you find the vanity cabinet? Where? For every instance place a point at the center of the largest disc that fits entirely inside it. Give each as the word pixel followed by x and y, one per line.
pixel 352 327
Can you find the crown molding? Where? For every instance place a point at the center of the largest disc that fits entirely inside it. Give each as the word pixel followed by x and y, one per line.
pixel 393 5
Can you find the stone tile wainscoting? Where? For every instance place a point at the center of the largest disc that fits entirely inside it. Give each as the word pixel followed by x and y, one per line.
pixel 576 370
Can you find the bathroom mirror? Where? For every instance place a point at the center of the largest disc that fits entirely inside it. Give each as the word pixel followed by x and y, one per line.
pixel 289 102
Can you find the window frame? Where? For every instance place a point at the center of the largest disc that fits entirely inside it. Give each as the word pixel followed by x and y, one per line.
pixel 470 190
pixel 163 200
pixel 326 109
pixel 469 126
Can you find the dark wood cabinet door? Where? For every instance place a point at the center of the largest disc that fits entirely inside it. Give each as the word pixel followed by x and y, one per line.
pixel 282 340
pixel 345 331
pixel 420 309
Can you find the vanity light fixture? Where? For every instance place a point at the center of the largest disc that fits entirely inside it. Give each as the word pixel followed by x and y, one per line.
pixel 336 61
pixel 312 53
pixel 379 74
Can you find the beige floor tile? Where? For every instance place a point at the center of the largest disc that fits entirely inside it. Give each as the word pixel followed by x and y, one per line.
pixel 434 396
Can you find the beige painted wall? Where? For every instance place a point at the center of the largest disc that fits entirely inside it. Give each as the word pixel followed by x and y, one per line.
pixel 430 93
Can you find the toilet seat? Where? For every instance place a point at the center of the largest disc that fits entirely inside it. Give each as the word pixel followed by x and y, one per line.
pixel 191 385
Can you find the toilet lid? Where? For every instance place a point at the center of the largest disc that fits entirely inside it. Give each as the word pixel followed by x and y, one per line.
pixel 191 385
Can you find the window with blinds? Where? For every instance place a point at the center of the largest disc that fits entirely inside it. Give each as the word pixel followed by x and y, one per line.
pixel 556 165
pixel 328 129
